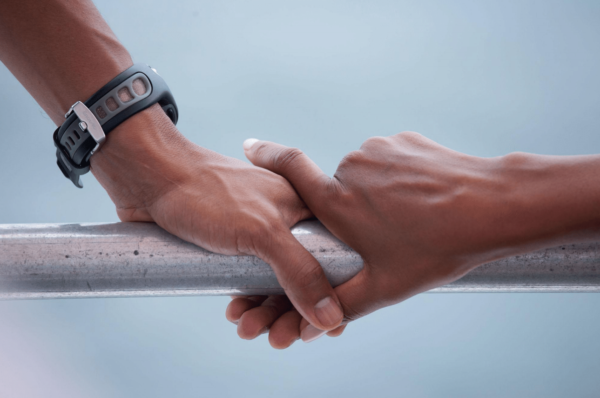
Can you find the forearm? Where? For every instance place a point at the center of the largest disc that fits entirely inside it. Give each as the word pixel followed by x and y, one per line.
pixel 61 51
pixel 547 200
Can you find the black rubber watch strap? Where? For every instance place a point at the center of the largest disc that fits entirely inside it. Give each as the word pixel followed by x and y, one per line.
pixel 141 87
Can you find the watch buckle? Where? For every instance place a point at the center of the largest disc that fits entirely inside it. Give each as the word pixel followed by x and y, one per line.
pixel 89 123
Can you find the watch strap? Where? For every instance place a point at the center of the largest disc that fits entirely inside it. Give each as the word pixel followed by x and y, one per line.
pixel 132 91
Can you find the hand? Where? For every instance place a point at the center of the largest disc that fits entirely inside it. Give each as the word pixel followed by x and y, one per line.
pixel 152 173
pixel 419 214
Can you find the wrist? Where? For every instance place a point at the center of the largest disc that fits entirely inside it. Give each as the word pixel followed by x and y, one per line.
pixel 548 200
pixel 141 160
pixel 82 84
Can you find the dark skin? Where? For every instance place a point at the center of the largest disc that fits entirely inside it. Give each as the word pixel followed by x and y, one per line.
pixel 220 203
pixel 421 216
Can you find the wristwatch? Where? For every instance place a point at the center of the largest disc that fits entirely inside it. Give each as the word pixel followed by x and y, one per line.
pixel 88 123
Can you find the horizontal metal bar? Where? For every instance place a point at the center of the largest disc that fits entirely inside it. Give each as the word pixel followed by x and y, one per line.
pixel 141 259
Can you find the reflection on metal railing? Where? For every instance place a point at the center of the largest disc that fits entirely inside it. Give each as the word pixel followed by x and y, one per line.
pixel 141 259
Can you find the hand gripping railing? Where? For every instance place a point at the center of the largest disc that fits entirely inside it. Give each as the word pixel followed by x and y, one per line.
pixel 141 259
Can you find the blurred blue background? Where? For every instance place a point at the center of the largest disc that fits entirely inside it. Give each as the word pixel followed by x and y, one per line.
pixel 482 77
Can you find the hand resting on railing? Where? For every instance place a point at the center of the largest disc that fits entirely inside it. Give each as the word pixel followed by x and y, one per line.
pixel 422 215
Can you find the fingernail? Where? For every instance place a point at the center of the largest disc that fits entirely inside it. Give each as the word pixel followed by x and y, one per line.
pixel 249 142
pixel 328 312
pixel 311 333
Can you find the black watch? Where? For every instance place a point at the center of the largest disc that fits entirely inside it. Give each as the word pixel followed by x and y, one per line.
pixel 87 123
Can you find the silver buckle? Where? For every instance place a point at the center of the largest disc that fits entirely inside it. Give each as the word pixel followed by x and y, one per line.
pixel 89 123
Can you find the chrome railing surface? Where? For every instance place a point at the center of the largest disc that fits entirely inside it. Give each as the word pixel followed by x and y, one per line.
pixel 141 259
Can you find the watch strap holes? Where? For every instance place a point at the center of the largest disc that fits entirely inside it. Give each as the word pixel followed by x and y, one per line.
pixel 139 87
pixel 71 140
pixel 124 94
pixel 68 145
pixel 111 104
pixel 101 112
pixel 76 134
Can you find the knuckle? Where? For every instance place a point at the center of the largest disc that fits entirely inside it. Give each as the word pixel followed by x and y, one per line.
pixel 351 314
pixel 304 277
pixel 261 149
pixel 374 143
pixel 514 160
pixel 286 158
pixel 409 137
pixel 249 326
pixel 352 157
pixel 350 161
pixel 350 169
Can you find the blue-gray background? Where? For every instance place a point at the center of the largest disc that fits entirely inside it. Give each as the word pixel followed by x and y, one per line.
pixel 481 77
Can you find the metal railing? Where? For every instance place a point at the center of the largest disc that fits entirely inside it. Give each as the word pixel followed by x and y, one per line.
pixel 141 259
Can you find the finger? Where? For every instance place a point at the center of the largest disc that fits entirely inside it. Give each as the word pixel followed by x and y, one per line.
pixel 305 176
pixel 286 330
pixel 256 321
pixel 309 333
pixel 361 295
pixel 303 280
pixel 251 298
pixel 337 331
pixel 297 270
pixel 238 306
pixel 358 297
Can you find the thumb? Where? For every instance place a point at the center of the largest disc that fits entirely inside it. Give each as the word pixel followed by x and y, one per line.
pixel 291 163
pixel 358 297
pixel 298 272
pixel 302 279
